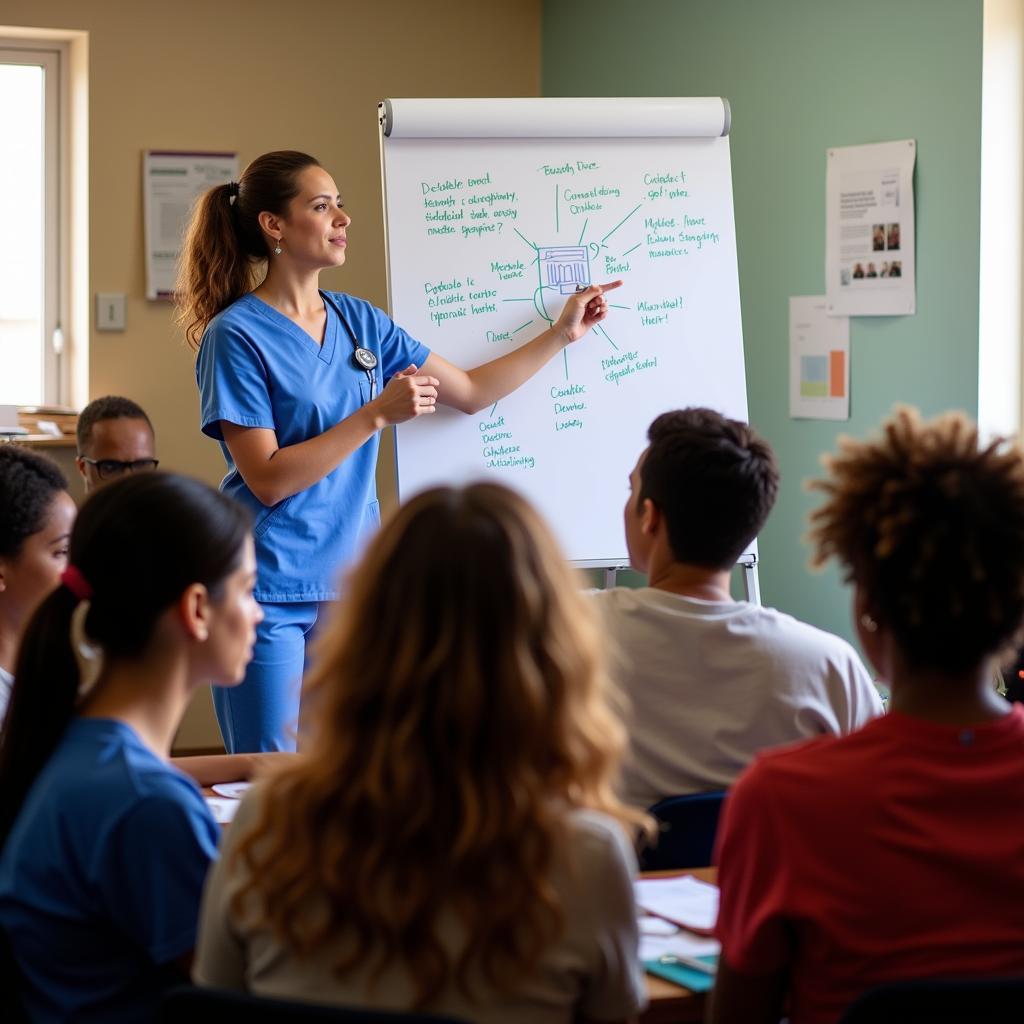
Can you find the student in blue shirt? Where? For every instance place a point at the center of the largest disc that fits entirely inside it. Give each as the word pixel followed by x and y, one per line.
pixel 104 847
pixel 296 384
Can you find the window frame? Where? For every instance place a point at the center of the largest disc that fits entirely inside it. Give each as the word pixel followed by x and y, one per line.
pixel 53 57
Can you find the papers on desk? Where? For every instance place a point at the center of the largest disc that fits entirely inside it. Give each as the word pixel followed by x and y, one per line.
pixel 677 915
pixel 679 943
pixel 222 809
pixel 9 420
pixel 232 790
pixel 225 803
pixel 675 954
pixel 683 900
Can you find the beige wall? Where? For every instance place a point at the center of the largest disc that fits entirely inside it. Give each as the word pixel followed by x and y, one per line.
pixel 212 74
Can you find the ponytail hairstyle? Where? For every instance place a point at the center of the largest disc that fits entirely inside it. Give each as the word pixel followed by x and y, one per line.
pixel 136 546
pixel 224 244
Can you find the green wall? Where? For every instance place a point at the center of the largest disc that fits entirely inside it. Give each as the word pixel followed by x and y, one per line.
pixel 801 76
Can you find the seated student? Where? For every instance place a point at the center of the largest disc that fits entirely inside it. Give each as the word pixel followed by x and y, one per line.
pixel 103 846
pixel 36 513
pixel 449 841
pixel 711 680
pixel 895 852
pixel 114 437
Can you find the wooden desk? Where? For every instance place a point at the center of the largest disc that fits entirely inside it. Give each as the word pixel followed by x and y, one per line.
pixel 671 1003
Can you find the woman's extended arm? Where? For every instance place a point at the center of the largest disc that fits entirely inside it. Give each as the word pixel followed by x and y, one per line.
pixel 274 473
pixel 472 390
pixel 209 769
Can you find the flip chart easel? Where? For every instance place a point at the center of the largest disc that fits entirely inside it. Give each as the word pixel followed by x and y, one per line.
pixel 748 562
pixel 495 210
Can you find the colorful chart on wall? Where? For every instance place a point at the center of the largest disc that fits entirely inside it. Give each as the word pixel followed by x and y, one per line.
pixel 495 212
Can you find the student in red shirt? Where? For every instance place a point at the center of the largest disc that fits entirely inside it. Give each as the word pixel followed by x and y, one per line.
pixel 898 851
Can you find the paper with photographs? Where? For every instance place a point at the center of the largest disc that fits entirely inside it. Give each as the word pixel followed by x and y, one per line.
pixel 869 230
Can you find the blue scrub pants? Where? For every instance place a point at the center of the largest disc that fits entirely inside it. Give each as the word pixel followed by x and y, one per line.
pixel 262 712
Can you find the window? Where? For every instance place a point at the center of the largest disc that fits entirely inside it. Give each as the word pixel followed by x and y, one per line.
pixel 33 260
pixel 1002 219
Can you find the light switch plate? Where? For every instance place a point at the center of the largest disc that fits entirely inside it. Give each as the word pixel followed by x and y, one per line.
pixel 110 311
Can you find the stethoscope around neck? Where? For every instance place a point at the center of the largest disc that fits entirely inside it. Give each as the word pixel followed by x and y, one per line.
pixel 363 358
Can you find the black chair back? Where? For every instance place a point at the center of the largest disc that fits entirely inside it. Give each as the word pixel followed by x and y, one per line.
pixel 941 1001
pixel 190 1004
pixel 686 835
pixel 10 985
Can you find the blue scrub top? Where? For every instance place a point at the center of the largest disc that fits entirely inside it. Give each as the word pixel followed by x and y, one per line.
pixel 257 368
pixel 101 876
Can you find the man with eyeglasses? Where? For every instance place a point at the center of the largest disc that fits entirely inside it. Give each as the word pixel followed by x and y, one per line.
pixel 114 437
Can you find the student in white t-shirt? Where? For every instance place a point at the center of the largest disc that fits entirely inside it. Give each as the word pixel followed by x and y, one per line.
pixel 712 681
pixel 36 514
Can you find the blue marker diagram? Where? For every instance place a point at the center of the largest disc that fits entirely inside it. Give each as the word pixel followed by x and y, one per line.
pixel 565 267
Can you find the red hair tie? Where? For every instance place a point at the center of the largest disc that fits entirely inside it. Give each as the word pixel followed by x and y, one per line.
pixel 73 579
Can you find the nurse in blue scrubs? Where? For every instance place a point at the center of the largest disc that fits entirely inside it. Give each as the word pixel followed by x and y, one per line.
pixel 296 384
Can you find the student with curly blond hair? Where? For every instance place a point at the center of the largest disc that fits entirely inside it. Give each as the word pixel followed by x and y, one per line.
pixel 449 840
pixel 895 852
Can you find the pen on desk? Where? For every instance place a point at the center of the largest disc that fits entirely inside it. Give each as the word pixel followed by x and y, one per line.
pixel 687 961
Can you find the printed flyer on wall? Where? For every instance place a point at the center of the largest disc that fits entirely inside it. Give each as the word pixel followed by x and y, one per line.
pixel 171 183
pixel 869 230
pixel 819 361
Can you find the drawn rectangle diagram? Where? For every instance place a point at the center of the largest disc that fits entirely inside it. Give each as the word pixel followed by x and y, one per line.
pixel 565 267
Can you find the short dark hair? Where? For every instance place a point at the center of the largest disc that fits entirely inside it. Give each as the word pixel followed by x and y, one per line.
pixel 713 479
pixel 109 407
pixel 28 484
